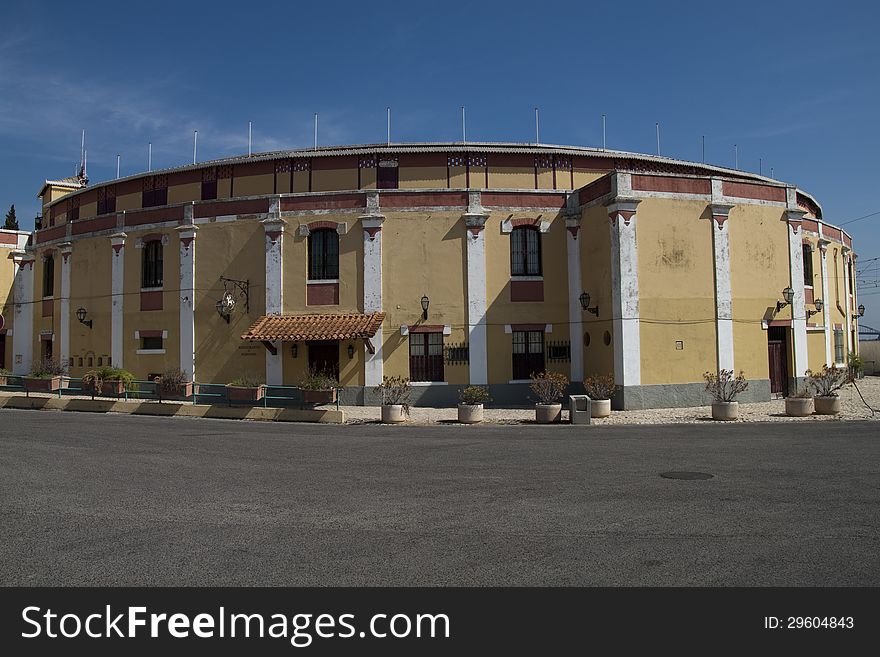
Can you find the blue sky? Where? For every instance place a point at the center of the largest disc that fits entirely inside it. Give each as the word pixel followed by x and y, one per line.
pixel 795 84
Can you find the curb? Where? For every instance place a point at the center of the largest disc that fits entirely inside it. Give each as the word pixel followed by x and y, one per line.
pixel 258 413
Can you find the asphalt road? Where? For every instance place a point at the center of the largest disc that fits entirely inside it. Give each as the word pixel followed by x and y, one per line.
pixel 121 500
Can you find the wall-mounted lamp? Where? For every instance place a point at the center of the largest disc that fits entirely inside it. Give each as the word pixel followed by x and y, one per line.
pixel 788 295
pixel 585 304
pixel 294 350
pixel 81 316
pixel 425 302
pixel 350 351
pixel 861 310
pixel 818 303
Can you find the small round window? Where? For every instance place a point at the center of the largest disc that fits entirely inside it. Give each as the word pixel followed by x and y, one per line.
pixel 607 338
pixel 586 339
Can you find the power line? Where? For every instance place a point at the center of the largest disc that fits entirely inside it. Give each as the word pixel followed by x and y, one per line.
pixel 852 221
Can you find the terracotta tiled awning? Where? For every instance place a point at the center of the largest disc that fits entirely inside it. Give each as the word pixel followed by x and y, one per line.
pixel 298 328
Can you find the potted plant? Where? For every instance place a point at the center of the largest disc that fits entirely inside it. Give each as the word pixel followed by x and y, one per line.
pixel 247 388
pixel 826 383
pixel 724 388
pixel 800 404
pixel 318 388
pixel 4 376
pixel 856 365
pixel 174 384
pixel 45 376
pixel 470 407
pixel 108 381
pixel 548 388
pixel 599 389
pixel 396 392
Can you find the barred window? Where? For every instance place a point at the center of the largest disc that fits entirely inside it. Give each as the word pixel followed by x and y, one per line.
pixel 808 264
pixel 525 251
pixel 528 353
pixel 152 264
pixel 838 346
pixel 426 356
pixel 49 276
pixel 323 254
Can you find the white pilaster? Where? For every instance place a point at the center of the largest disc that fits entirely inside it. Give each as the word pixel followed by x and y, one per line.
pixel 847 302
pixel 475 222
pixel 794 219
pixel 23 312
pixel 826 310
pixel 274 229
pixel 117 299
pixel 575 288
pixel 65 250
pixel 625 292
pixel 372 225
pixel 187 235
pixel 723 296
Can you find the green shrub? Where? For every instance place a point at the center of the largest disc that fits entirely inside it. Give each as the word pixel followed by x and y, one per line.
pixel 98 376
pixel 47 368
pixel 473 395
pixel 247 381
pixel 315 380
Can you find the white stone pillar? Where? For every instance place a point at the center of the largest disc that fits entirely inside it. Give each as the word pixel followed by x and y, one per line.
pixel 794 219
pixel 187 235
pixel 847 302
pixel 274 229
pixel 117 298
pixel 826 309
pixel 478 354
pixel 64 249
pixel 723 296
pixel 575 288
pixel 23 312
pixel 372 224
pixel 625 292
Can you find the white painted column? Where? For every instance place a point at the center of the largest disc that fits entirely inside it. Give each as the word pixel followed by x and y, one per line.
pixel 372 224
pixel 478 338
pixel 575 288
pixel 274 229
pixel 117 299
pixel 794 219
pixel 187 235
pixel 723 296
pixel 847 304
pixel 23 312
pixel 625 292
pixel 64 249
pixel 826 309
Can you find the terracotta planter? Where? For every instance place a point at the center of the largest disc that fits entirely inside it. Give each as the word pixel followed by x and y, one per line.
pixel 242 394
pixel 52 384
pixel 182 391
pixel 470 413
pixel 393 414
pixel 112 388
pixel 548 413
pixel 600 407
pixel 827 405
pixel 725 411
pixel 798 406
pixel 319 396
pixel 3 380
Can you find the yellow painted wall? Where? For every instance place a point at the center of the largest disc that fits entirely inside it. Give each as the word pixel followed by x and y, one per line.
pixel 254 185
pixel 595 245
pixel 327 180
pixel 234 250
pixel 90 288
pixel 422 177
pixel 88 210
pixel 508 178
pixel 816 349
pixel 300 181
pixel 184 193
pixel 224 185
pixel 282 182
pixel 7 278
pixel 458 177
pixel 368 179
pixel 758 277
pixel 129 201
pixel 585 177
pixel 545 179
pixel 676 291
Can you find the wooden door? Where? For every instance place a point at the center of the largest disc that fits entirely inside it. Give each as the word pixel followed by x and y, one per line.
pixel 777 353
pixel 324 357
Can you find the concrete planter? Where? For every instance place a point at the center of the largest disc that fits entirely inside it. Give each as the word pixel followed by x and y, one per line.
pixel 827 405
pixel 52 384
pixel 600 407
pixel 725 411
pixel 240 394
pixel 3 380
pixel 319 396
pixel 393 414
pixel 470 413
pixel 798 406
pixel 548 413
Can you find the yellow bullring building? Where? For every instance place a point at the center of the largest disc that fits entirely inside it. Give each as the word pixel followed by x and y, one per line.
pixel 448 264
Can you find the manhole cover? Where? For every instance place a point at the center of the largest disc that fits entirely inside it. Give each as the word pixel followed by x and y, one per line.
pixel 686 475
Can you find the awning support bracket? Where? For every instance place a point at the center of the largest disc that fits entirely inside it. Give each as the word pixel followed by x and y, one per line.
pixel 271 348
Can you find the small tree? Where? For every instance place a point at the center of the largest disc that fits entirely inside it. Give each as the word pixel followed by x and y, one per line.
pixel 724 386
pixel 11 221
pixel 829 380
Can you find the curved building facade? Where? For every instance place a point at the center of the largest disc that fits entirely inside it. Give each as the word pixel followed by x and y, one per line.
pixel 449 264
